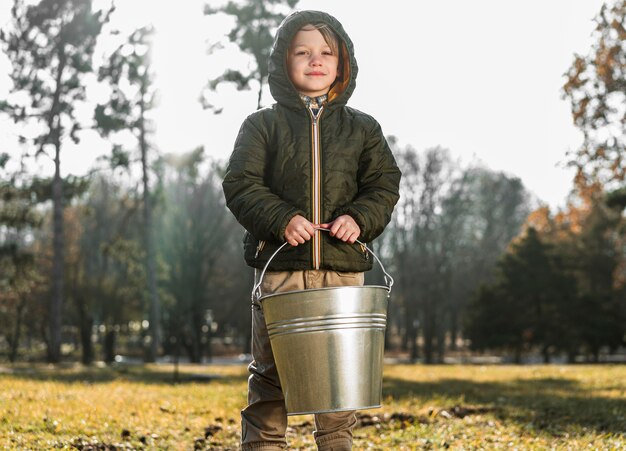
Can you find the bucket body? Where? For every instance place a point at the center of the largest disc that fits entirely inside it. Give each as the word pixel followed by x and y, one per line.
pixel 328 345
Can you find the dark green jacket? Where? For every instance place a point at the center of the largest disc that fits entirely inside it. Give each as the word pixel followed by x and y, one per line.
pixel 284 163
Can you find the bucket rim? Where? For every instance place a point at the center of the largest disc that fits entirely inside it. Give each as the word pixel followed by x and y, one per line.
pixel 284 293
pixel 256 290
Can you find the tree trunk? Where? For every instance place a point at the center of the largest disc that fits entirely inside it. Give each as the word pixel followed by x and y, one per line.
pixel 441 351
pixel 247 342
pixel 196 343
pixel 176 360
pixel 571 356
pixel 109 345
pixel 17 331
pixel 209 346
pixel 517 356
pixel 454 319
pixel 595 352
pixel 260 94
pixel 411 334
pixel 546 354
pixel 155 320
pixel 189 343
pixel 56 302
pixel 429 334
pixel 406 332
pixel 428 348
pixel 86 324
pixel 412 339
pixel 441 340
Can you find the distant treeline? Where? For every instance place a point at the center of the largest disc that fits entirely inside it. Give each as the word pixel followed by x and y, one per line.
pixel 141 257
pixel 472 266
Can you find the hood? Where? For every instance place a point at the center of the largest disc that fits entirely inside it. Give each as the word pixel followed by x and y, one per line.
pixel 281 87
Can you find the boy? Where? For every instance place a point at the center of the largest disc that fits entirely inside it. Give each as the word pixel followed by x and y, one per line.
pixel 307 162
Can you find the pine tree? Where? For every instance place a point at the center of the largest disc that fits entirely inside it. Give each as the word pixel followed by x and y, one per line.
pixel 50 46
pixel 127 111
pixel 256 22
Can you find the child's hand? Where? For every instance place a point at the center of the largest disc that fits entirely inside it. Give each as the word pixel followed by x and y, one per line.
pixel 299 230
pixel 343 228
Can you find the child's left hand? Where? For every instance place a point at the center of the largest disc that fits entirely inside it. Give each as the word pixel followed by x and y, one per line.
pixel 344 228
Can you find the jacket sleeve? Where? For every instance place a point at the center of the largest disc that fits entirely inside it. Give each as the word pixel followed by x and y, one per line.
pixel 258 210
pixel 378 182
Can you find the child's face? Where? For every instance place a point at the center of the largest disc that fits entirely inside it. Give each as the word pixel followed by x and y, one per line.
pixel 311 65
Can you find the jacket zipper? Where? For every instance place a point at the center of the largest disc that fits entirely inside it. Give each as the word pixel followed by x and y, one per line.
pixel 259 248
pixel 316 186
pixel 365 252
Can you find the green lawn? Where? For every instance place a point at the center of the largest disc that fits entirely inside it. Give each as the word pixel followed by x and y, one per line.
pixel 425 407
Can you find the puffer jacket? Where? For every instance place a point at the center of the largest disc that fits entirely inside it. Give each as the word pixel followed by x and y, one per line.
pixel 285 163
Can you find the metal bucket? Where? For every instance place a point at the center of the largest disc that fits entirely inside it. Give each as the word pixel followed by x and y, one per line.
pixel 328 344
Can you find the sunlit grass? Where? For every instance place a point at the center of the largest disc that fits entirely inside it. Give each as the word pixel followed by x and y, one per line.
pixel 134 407
pixel 425 407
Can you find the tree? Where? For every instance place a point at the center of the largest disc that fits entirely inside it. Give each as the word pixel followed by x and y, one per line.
pixel 525 304
pixel 596 89
pixel 127 110
pixel 195 231
pixel 50 45
pixel 579 305
pixel 449 228
pixel 596 251
pixel 19 275
pixel 106 274
pixel 482 214
pixel 253 33
pixel 414 241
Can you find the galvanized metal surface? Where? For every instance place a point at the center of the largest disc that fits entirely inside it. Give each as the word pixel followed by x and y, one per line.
pixel 328 345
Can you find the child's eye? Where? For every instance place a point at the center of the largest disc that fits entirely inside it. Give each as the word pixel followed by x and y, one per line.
pixel 301 52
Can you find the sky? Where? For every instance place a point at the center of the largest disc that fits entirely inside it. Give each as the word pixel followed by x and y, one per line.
pixel 480 78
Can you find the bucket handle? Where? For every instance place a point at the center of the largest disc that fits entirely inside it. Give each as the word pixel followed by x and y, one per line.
pixel 256 290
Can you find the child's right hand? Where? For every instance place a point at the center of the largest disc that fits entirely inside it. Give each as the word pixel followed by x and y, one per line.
pixel 299 230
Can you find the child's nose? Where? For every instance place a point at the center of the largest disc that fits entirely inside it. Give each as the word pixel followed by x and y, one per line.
pixel 316 59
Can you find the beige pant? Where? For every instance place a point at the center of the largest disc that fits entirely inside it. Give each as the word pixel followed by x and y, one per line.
pixel 264 420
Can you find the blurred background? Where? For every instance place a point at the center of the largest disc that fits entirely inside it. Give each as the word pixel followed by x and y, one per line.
pixel 508 120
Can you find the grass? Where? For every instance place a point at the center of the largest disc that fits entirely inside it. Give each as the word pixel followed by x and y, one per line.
pixel 425 407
